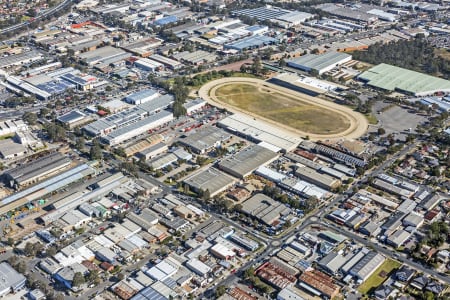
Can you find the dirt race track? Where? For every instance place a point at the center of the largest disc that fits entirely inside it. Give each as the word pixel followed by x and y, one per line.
pixel 358 123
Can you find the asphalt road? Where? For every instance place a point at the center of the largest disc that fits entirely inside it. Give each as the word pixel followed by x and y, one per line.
pixel 50 12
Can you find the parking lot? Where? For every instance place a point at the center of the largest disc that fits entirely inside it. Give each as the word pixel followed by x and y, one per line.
pixel 397 119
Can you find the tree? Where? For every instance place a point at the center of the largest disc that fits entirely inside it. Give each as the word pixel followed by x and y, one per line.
pixel 120 276
pixel 21 267
pixel 79 144
pixel 55 132
pixel 238 207
pixel 30 118
pixel 220 291
pixel 92 276
pixel 381 131
pixel 78 279
pixel 282 63
pixel 29 249
pixel 96 151
pixel 256 66
pixel 178 109
pixel 10 241
pixel 51 251
pixel 206 195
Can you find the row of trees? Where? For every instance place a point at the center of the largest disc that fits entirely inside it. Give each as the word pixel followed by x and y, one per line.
pixel 275 193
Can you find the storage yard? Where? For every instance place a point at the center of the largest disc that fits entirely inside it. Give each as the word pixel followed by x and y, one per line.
pixel 297 112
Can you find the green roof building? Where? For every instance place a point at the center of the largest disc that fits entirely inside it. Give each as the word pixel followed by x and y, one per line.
pixel 392 78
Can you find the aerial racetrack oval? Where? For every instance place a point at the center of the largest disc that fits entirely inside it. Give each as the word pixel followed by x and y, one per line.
pixel 293 111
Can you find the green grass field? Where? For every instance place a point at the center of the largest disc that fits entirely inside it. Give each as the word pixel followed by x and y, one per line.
pixel 375 279
pixel 283 109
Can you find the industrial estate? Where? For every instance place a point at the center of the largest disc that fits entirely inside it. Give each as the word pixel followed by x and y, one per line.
pixel 289 150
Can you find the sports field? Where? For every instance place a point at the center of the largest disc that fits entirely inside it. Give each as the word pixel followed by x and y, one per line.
pixel 287 110
pixel 290 111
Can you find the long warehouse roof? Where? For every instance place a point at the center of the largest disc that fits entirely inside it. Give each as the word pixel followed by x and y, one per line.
pixel 390 78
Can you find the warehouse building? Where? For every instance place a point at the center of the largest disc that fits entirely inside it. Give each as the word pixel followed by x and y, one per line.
pixel 142 97
pixel 9 127
pixel 73 119
pixel 318 284
pixel 205 140
pixel 127 117
pixel 390 188
pixel 152 151
pixel 319 63
pixel 303 188
pixel 17 85
pixel 196 58
pixel 12 281
pixel 167 62
pixel 130 131
pixel 9 149
pixel 20 59
pixel 36 170
pixel 96 56
pixel 252 42
pixel 398 238
pixel 332 263
pixel 392 78
pixel 321 180
pixel 212 180
pixel 245 242
pixel 194 105
pixel 367 265
pixel 41 190
pixel 148 65
pixel 370 228
pixel 258 131
pixel 69 203
pixel 265 209
pixel 162 161
pixel 198 267
pixel 282 17
pixel 247 160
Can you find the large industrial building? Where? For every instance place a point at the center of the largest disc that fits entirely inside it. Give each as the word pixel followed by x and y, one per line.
pixel 41 190
pixel 131 122
pixel 319 63
pixel 148 64
pixel 212 180
pixel 247 160
pixel 367 265
pixel 392 78
pixel 12 281
pixel 318 284
pixel 73 119
pixel 206 139
pixel 142 96
pixel 96 56
pixel 259 131
pixel 265 209
pixel 128 132
pixel 319 179
pixel 284 18
pixel 252 42
pixel 37 170
pixel 10 127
